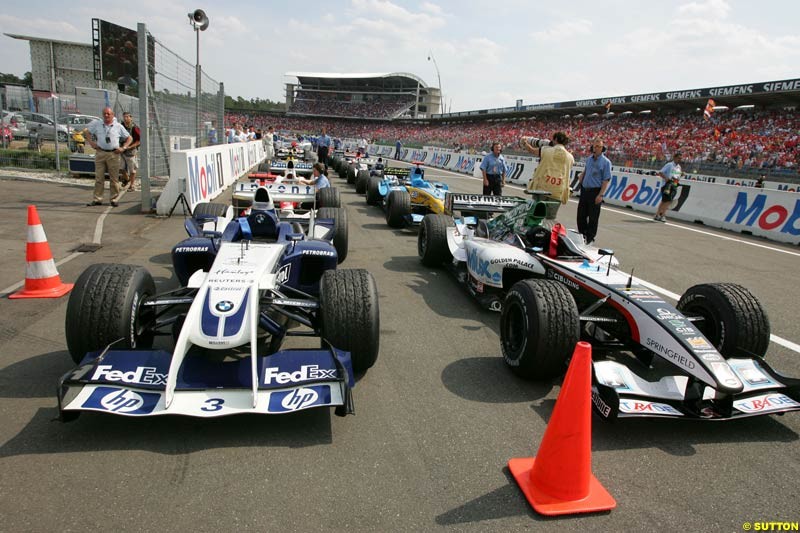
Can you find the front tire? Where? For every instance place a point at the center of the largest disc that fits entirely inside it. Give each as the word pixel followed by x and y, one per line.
pixel 340 229
pixel 539 328
pixel 398 206
pixel 432 240
pixel 374 191
pixel 350 318
pixel 733 320
pixel 214 209
pixel 105 307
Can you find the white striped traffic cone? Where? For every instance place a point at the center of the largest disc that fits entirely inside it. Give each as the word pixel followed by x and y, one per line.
pixel 41 277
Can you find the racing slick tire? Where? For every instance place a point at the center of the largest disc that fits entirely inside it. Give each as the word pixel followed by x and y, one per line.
pixel 329 197
pixel 361 181
pixel 374 191
pixel 105 307
pixel 733 320
pixel 398 206
pixel 432 240
pixel 539 327
pixel 263 167
pixel 351 174
pixel 350 319
pixel 340 231
pixel 214 209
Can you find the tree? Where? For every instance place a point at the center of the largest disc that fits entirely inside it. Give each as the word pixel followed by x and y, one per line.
pixel 26 79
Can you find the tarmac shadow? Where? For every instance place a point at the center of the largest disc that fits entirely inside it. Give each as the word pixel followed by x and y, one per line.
pixel 487 379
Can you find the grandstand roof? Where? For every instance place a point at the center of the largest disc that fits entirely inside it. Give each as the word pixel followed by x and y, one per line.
pixel 334 78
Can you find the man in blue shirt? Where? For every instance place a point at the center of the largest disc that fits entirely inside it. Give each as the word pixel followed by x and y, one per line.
pixel 494 168
pixel 323 145
pixel 398 146
pixel 593 181
pixel 319 180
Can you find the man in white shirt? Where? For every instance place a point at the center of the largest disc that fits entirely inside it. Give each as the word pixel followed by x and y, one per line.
pixel 106 136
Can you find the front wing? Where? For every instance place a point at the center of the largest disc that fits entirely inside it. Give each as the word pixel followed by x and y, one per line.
pixel 134 383
pixel 618 392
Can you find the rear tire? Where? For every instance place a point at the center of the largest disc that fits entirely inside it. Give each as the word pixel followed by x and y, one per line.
pixel 105 307
pixel 432 240
pixel 539 328
pixel 350 318
pixel 373 191
pixel 361 181
pixel 340 229
pixel 733 319
pixel 329 197
pixel 398 206
pixel 351 174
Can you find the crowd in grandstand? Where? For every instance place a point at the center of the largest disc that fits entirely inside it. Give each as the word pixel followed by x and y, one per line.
pixel 768 140
pixel 333 104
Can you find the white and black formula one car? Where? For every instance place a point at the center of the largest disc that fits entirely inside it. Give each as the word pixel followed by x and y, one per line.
pixel 702 359
pixel 266 283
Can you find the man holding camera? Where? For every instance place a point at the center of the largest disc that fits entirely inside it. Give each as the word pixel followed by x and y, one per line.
pixel 106 136
pixel 593 181
pixel 494 168
pixel 670 173
pixel 553 172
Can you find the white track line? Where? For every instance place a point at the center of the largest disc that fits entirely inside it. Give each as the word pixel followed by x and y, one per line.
pixel 669 294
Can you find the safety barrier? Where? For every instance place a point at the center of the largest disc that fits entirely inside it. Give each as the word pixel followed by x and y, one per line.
pixel 202 174
pixel 721 202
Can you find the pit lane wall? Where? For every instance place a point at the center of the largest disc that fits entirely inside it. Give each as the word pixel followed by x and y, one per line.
pixel 720 202
pixel 202 174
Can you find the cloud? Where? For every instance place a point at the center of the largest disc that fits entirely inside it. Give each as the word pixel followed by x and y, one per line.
pixel 563 30
pixel 40 27
pixel 709 8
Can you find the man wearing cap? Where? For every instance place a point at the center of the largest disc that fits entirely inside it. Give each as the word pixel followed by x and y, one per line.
pixel 105 138
pixel 670 173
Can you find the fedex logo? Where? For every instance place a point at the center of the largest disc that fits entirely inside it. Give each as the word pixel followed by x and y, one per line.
pixel 145 375
pixel 480 267
pixel 765 403
pixel 306 373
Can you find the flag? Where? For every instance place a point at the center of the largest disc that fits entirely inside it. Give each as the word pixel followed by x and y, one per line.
pixel 709 109
pixel 608 107
pixel 717 134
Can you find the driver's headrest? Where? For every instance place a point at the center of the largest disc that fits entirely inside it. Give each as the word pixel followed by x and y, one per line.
pixel 262 200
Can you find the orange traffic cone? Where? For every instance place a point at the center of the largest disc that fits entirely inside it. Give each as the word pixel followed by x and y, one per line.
pixel 559 479
pixel 41 277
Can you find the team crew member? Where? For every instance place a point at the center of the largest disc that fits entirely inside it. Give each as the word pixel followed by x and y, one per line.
pixel 318 178
pixel 130 157
pixel 494 168
pixel 108 134
pixel 323 145
pixel 552 174
pixel 671 173
pixel 594 182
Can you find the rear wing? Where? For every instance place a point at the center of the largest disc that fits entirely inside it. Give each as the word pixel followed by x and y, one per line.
pixel 278 192
pixel 455 202
pixel 397 171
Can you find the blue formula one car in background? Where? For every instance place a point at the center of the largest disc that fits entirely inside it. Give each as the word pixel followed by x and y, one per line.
pixel 227 325
pixel 406 196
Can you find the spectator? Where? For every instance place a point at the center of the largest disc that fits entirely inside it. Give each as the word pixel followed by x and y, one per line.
pixel 107 134
pixel 130 157
pixel 593 181
pixel 494 168
pixel 398 147
pixel 759 184
pixel 212 135
pixel 670 173
pixel 269 144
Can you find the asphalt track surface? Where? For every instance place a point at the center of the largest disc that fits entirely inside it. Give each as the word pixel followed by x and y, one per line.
pixel 437 417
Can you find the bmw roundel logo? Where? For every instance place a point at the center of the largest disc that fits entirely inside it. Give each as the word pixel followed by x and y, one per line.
pixel 224 306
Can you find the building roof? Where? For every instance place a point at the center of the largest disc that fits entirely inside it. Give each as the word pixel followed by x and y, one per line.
pixel 309 76
pixel 44 39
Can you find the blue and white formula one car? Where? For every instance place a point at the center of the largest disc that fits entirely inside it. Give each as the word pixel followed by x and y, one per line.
pixel 266 283
pixel 702 359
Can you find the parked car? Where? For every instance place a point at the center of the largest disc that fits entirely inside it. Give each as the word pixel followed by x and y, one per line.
pixel 76 121
pixel 45 126
pixel 16 123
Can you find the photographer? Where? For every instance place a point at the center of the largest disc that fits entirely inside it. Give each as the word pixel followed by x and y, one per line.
pixel 553 172
pixel 593 181
pixel 670 173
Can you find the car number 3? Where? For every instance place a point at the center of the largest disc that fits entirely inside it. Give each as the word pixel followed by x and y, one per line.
pixel 213 404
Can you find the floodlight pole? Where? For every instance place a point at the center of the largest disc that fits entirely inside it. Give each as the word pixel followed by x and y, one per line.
pixel 439 77
pixel 197 88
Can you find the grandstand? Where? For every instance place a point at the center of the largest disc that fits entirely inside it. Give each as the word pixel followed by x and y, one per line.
pixel 366 96
pixel 754 129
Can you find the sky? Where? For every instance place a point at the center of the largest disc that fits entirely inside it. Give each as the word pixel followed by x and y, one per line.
pixel 489 54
